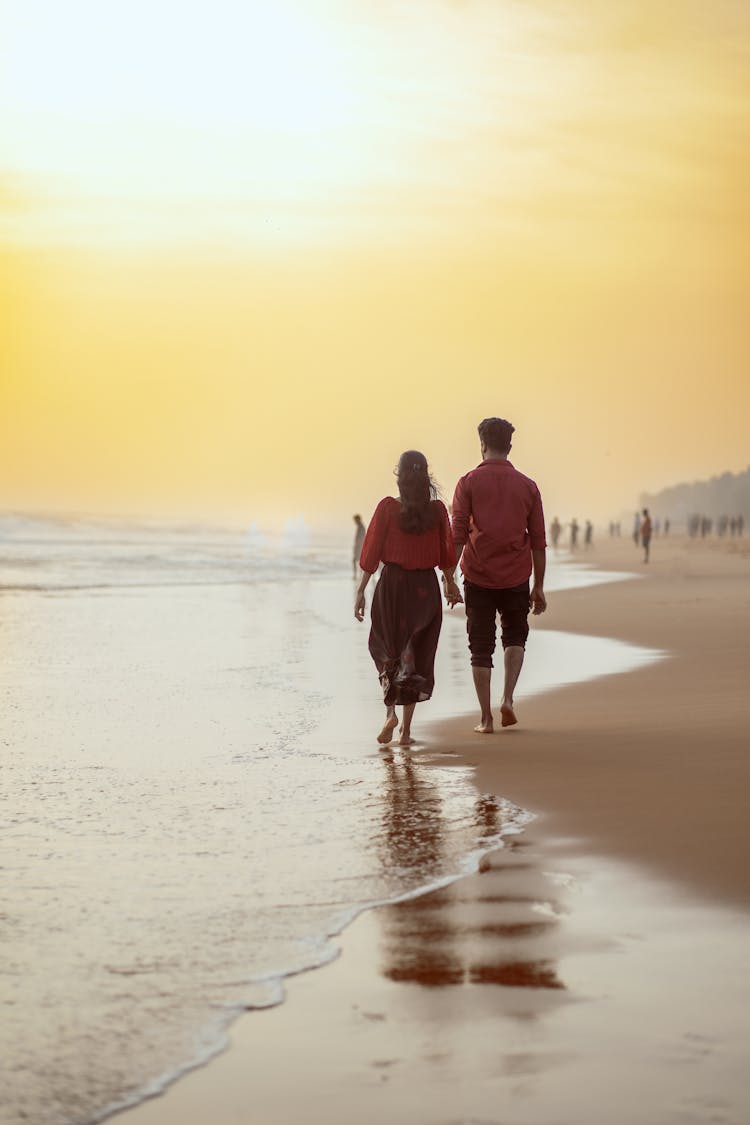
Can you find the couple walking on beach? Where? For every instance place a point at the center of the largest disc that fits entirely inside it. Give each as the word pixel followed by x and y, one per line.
pixel 497 534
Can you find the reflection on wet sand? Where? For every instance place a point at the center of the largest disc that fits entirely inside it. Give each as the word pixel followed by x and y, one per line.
pixel 486 929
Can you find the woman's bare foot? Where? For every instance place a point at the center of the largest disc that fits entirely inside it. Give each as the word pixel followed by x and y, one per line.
pixel 386 734
pixel 486 726
pixel 507 715
pixel 405 729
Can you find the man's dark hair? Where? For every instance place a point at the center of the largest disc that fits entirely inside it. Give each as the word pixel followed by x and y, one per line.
pixel 496 434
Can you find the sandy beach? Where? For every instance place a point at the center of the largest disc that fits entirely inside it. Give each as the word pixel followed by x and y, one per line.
pixel 651 767
pixel 277 279
pixel 596 967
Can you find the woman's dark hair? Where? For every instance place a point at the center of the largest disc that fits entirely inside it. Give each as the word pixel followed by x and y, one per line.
pixel 416 489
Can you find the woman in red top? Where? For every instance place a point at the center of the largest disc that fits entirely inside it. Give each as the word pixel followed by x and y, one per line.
pixel 410 536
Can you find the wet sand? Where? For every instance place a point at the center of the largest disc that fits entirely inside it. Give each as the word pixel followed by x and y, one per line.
pixel 596 968
pixel 653 766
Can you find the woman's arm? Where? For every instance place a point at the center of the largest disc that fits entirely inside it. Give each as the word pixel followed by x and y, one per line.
pixel 374 541
pixel 372 550
pixel 359 598
pixel 451 588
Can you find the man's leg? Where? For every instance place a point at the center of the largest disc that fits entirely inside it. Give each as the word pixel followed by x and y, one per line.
pixel 513 663
pixel 514 620
pixel 481 630
pixel 482 682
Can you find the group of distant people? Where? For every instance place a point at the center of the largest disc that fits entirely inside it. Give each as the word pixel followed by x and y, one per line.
pixel 643 531
pixel 574 529
pixel 644 528
pixel 701 526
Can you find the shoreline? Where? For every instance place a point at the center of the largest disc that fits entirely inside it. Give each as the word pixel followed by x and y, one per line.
pixel 643 804
pixel 642 748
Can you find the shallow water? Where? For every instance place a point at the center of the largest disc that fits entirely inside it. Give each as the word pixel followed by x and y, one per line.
pixel 192 801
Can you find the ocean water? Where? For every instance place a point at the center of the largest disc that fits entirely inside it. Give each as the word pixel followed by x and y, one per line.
pixel 193 802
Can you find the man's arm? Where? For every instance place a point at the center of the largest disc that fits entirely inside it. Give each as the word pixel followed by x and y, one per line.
pixel 538 542
pixel 447 562
pixel 537 599
pixel 460 515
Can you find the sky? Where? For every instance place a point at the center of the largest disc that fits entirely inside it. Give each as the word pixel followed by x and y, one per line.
pixel 249 252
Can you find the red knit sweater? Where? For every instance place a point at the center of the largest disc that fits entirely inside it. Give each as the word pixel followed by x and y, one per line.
pixel 386 542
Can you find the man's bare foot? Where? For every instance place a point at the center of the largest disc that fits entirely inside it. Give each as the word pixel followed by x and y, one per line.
pixel 485 727
pixel 386 734
pixel 507 715
pixel 405 740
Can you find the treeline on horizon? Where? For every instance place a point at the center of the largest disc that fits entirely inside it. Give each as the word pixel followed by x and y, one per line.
pixel 725 495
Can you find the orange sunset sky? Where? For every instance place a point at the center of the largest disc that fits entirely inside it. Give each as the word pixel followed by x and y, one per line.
pixel 251 251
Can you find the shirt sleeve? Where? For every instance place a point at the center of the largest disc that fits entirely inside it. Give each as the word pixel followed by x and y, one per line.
pixel 461 513
pixel 537 537
pixel 447 550
pixel 372 548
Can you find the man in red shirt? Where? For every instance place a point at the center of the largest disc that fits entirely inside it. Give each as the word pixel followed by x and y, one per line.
pixel 498 531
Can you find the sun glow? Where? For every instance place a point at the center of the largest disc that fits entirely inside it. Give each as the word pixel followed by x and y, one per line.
pixel 248 118
pixel 235 103
pixel 325 221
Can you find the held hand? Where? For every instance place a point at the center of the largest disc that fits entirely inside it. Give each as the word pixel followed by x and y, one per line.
pixel 359 606
pixel 452 593
pixel 537 600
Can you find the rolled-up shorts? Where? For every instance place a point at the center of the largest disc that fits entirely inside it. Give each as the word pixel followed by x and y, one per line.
pixel 482 606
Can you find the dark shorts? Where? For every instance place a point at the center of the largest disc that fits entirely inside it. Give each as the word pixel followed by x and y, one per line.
pixel 482 607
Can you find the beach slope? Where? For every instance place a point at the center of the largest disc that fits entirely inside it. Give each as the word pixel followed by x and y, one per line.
pixel 596 967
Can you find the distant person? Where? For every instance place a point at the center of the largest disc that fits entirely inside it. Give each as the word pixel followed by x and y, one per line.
pixel 646 534
pixel 666 526
pixel 740 524
pixel 498 531
pixel 359 538
pixel 410 536
pixel 554 530
pixel 588 535
pixel 574 533
pixel 637 529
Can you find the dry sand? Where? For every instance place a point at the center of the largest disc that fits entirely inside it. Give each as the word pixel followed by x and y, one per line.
pixel 652 766
pixel 596 969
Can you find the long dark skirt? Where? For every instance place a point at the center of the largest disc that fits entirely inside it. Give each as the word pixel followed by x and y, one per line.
pixel 407 613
